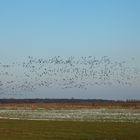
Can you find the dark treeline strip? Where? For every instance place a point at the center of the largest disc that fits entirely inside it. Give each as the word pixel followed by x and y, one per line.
pixel 65 101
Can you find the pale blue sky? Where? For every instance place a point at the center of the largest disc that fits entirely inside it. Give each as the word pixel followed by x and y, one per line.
pixel 69 27
pixel 45 28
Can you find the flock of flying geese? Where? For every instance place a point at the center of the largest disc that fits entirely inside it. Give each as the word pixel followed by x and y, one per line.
pixel 65 73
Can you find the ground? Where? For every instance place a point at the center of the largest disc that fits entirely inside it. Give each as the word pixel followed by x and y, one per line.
pixel 70 121
pixel 67 130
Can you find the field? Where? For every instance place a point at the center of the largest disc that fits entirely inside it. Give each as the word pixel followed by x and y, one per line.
pixel 70 121
pixel 72 112
pixel 67 130
pixel 71 105
pixel 102 115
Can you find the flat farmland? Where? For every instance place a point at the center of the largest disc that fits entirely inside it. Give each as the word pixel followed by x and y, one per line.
pixel 67 130
pixel 72 112
pixel 69 121
pixel 71 105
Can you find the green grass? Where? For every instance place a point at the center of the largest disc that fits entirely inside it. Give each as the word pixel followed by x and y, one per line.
pixel 67 130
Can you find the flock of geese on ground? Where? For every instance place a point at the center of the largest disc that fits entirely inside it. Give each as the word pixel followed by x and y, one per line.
pixel 66 73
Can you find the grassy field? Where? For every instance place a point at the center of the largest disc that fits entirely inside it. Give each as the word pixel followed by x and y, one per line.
pixel 67 130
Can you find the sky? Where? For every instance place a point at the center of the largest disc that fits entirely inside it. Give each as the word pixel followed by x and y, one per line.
pixel 46 28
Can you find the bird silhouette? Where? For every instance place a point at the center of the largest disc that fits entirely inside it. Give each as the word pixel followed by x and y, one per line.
pixel 65 73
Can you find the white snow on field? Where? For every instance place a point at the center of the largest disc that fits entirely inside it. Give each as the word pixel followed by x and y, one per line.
pixel 114 115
